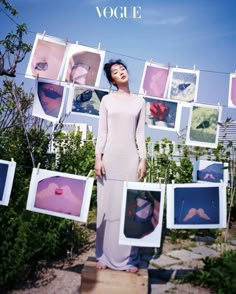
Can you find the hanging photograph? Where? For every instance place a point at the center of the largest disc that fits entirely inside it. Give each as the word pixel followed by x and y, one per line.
pixel 86 101
pixel 141 214
pixel 7 172
pixel 60 194
pixel 196 206
pixel 232 91
pixel 162 114
pixel 83 65
pixel 183 85
pixel 210 171
pixel 47 58
pixel 203 127
pixel 49 100
pixel 154 80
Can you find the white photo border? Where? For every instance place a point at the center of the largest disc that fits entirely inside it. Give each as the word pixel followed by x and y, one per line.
pixel 177 116
pixel 232 79
pixel 187 71
pixel 38 110
pixel 74 48
pixel 154 238
pixel 155 65
pixel 202 143
pixel 170 206
pixel 8 182
pixel 51 39
pixel 40 174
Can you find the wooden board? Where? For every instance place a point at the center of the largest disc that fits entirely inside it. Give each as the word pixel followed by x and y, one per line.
pixel 110 281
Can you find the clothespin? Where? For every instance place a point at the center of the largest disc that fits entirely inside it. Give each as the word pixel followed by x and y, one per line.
pixel 44 32
pixel 37 76
pixel 145 180
pixel 176 66
pixel 150 62
pixel 76 43
pixel 99 46
pixel 160 183
pixel 66 40
pixel 89 174
pixel 173 183
pixel 38 168
pixel 194 67
pixel 12 159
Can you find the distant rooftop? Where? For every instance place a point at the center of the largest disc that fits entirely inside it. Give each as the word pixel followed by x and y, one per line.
pixel 229 134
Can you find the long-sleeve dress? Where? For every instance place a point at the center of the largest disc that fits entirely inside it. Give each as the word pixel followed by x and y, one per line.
pixel 121 130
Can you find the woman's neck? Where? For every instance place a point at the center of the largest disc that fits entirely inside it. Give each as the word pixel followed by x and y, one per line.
pixel 124 90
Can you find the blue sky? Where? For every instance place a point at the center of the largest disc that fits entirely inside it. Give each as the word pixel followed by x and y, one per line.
pixel 183 33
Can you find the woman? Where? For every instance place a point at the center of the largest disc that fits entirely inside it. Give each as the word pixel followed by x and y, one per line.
pixel 121 129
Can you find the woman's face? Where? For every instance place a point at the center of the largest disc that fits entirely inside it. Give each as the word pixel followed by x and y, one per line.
pixel 119 75
pixel 50 96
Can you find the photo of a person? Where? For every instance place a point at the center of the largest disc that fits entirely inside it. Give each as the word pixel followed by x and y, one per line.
pixel 142 213
pixel 50 96
pixel 47 58
pixel 196 205
pixel 60 194
pixel 162 113
pixel 211 171
pixel 87 101
pixel 83 65
pixel 232 91
pixel 7 172
pixel 154 81
pixel 3 177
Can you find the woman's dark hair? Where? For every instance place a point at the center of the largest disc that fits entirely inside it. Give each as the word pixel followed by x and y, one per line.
pixel 108 65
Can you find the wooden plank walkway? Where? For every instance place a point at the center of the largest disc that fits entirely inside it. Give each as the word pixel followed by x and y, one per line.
pixel 110 281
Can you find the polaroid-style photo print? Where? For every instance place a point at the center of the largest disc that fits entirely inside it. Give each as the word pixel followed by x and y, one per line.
pixel 232 91
pixel 154 80
pixel 162 114
pixel 203 129
pixel 47 58
pixel 196 205
pixel 49 99
pixel 183 85
pixel 7 172
pixel 83 65
pixel 141 214
pixel 60 194
pixel 86 101
pixel 210 171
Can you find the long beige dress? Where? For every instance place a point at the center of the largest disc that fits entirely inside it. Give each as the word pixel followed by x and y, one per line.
pixel 121 130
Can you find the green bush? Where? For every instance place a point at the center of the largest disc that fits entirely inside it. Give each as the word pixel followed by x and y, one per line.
pixel 219 274
pixel 29 237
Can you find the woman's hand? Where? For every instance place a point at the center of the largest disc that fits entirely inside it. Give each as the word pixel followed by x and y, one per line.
pixel 141 172
pixel 99 167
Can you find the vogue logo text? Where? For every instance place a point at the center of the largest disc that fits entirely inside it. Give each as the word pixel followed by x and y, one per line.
pixel 119 12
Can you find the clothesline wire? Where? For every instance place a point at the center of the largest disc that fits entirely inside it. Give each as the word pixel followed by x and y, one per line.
pixel 165 99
